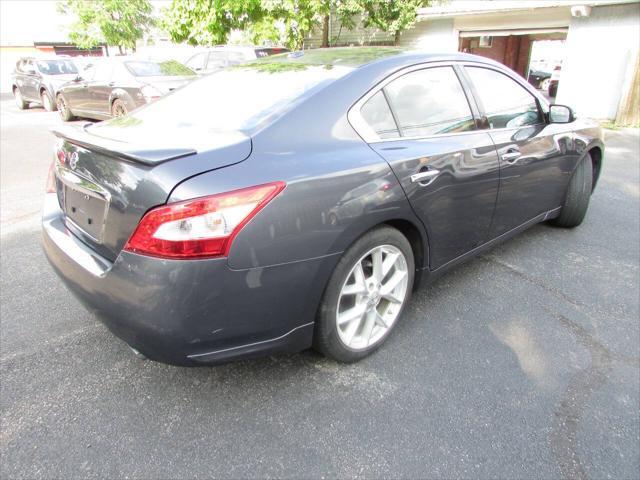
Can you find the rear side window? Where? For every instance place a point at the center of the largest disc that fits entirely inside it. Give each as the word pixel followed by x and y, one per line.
pixel 429 102
pixel 506 103
pixel 377 114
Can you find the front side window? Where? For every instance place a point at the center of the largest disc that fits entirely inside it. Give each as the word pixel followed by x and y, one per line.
pixel 196 62
pixel 103 72
pixel 429 102
pixel 377 114
pixel 506 103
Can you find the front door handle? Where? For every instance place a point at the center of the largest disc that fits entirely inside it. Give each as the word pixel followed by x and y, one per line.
pixel 511 155
pixel 424 177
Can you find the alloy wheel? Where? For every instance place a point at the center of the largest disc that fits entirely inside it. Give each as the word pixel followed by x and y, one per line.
pixel 371 297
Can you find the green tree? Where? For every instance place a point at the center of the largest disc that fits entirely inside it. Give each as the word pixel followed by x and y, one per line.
pixel 114 22
pixel 209 22
pixel 393 16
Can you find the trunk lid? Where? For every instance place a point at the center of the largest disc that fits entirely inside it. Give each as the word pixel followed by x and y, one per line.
pixel 114 173
pixel 164 83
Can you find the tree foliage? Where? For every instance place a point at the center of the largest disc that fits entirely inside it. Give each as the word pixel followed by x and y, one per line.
pixel 209 22
pixel 392 16
pixel 114 22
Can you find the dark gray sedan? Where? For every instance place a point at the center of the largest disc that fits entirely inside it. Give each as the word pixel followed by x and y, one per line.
pixel 298 200
pixel 114 87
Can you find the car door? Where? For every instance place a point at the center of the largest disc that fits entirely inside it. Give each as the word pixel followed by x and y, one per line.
pixel 100 89
pixel 30 81
pixel 422 123
pixel 536 158
pixel 77 92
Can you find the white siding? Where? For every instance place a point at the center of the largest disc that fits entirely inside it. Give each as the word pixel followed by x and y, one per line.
pixel 599 50
pixel 343 37
pixel 436 36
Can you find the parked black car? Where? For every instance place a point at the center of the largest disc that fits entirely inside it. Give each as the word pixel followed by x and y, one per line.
pixel 297 200
pixel 224 56
pixel 114 87
pixel 38 80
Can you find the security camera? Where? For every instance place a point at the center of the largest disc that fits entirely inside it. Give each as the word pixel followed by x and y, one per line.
pixel 580 11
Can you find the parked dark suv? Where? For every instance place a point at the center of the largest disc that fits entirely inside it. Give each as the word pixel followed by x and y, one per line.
pixel 38 80
pixel 114 87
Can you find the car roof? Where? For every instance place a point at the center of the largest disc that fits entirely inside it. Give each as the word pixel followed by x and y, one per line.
pixel 359 56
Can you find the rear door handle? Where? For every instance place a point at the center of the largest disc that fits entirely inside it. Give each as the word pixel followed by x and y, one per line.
pixel 425 177
pixel 511 155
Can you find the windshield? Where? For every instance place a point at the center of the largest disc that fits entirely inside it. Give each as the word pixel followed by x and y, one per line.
pixel 154 69
pixel 56 67
pixel 239 98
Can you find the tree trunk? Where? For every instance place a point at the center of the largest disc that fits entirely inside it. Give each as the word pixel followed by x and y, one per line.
pixel 120 49
pixel 396 38
pixel 325 31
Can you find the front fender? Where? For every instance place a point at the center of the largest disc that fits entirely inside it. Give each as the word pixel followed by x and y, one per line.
pixel 122 94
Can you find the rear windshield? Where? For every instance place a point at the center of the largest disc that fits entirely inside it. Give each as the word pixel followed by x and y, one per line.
pixel 238 98
pixel 56 67
pixel 154 69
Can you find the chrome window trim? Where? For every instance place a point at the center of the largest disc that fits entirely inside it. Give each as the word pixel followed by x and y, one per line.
pixel 369 135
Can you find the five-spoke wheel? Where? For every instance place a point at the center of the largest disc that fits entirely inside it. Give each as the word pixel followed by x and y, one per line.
pixel 366 295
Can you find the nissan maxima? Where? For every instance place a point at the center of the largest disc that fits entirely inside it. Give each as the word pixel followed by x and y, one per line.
pixel 298 200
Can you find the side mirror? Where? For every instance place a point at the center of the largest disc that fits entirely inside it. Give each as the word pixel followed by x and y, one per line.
pixel 78 78
pixel 560 114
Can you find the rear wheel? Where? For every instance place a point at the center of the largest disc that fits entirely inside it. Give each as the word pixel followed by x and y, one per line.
pixel 365 296
pixel 578 195
pixel 47 101
pixel 20 102
pixel 544 84
pixel 118 108
pixel 63 108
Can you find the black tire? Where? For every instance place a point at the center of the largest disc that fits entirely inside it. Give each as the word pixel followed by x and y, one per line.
pixel 20 102
pixel 63 108
pixel 326 337
pixel 578 195
pixel 553 90
pixel 119 108
pixel 47 102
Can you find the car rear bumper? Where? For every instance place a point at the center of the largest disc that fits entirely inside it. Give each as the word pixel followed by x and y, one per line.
pixel 189 312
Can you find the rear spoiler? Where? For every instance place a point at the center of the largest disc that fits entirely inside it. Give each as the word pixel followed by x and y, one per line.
pixel 113 148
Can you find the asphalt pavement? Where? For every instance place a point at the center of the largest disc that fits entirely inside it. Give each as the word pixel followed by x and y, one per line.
pixel 522 363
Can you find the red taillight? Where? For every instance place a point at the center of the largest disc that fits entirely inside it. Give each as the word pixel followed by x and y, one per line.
pixel 203 227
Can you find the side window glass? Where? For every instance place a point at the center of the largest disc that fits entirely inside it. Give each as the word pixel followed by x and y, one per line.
pixel 216 60
pixel 196 62
pixel 88 73
pixel 506 103
pixel 103 72
pixel 377 114
pixel 430 102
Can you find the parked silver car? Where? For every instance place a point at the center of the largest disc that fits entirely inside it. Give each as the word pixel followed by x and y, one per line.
pixel 221 57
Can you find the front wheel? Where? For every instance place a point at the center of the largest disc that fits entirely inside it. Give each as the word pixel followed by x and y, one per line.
pixel 365 296
pixel 118 108
pixel 578 195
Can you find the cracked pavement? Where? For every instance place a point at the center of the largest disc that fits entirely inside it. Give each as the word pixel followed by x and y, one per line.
pixel 522 363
